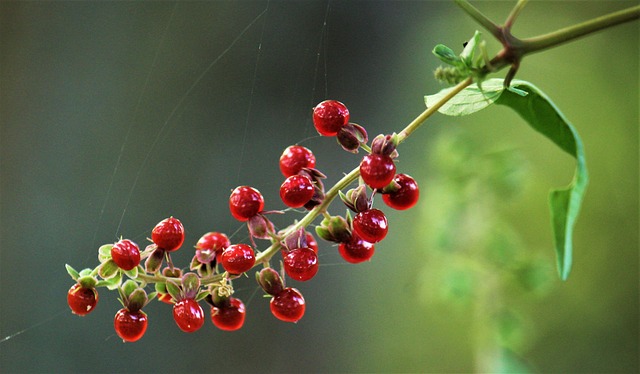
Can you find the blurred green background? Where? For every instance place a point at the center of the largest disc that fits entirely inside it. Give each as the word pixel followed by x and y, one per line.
pixel 115 115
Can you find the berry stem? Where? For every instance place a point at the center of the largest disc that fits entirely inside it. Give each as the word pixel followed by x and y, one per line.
pixel 321 209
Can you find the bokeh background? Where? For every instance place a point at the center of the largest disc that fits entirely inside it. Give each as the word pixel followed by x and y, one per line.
pixel 115 115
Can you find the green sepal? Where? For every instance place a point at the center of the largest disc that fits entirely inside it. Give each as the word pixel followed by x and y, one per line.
pixel 161 287
pixel 323 233
pixel 468 53
pixel 108 269
pixel 133 273
pixel 104 253
pixel 112 283
pixel 447 55
pixel 151 296
pixel 201 295
pixel 137 300
pixel 128 287
pixel 190 285
pixel 85 272
pixel 72 272
pixel 87 281
pixel 174 290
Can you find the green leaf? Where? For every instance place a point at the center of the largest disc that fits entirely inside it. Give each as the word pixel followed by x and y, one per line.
pixel 541 114
pixel 469 100
pixel 72 272
pixel 447 55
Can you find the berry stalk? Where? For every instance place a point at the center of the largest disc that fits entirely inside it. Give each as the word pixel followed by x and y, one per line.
pixel 349 178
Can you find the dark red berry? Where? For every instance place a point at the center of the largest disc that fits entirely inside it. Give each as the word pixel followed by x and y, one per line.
pixel 406 196
pixel 238 258
pixel 245 202
pixel 125 254
pixel 230 317
pixel 356 250
pixel 312 242
pixel 371 225
pixel 296 191
pixel 82 300
pixel 294 158
pixel 130 326
pixel 301 264
pixel 168 234
pixel 377 171
pixel 188 314
pixel 288 305
pixel 213 242
pixel 329 117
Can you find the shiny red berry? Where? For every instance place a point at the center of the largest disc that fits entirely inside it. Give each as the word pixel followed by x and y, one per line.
pixel 296 191
pixel 329 117
pixel 188 315
pixel 377 170
pixel 130 326
pixel 406 196
pixel 82 300
pixel 294 158
pixel 301 264
pixel 168 234
pixel 229 317
pixel 238 258
pixel 312 242
pixel 245 202
pixel 356 250
pixel 371 225
pixel 213 242
pixel 125 254
pixel 288 305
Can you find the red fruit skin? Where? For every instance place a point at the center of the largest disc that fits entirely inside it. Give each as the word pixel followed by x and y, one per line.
pixel 188 315
pixel 82 300
pixel 296 191
pixel 294 158
pixel 312 242
pixel 301 264
pixel 371 225
pixel 168 234
pixel 329 117
pixel 245 202
pixel 125 254
pixel 377 171
pixel 406 196
pixel 130 326
pixel 288 305
pixel 238 258
pixel 356 250
pixel 213 241
pixel 230 318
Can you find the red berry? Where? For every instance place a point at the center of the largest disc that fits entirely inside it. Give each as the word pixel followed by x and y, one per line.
pixel 130 326
pixel 294 158
pixel 245 202
pixel 188 315
pixel 329 117
pixel 288 305
pixel 296 191
pixel 406 196
pixel 213 242
pixel 371 225
pixel 168 234
pixel 301 264
pixel 238 258
pixel 230 317
pixel 125 254
pixel 356 250
pixel 82 300
pixel 312 242
pixel 377 171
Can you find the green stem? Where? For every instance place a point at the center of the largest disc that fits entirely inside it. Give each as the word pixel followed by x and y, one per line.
pixel 488 24
pixel 570 33
pixel 514 14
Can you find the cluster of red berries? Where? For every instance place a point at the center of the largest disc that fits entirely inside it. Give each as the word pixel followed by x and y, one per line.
pixel 217 262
